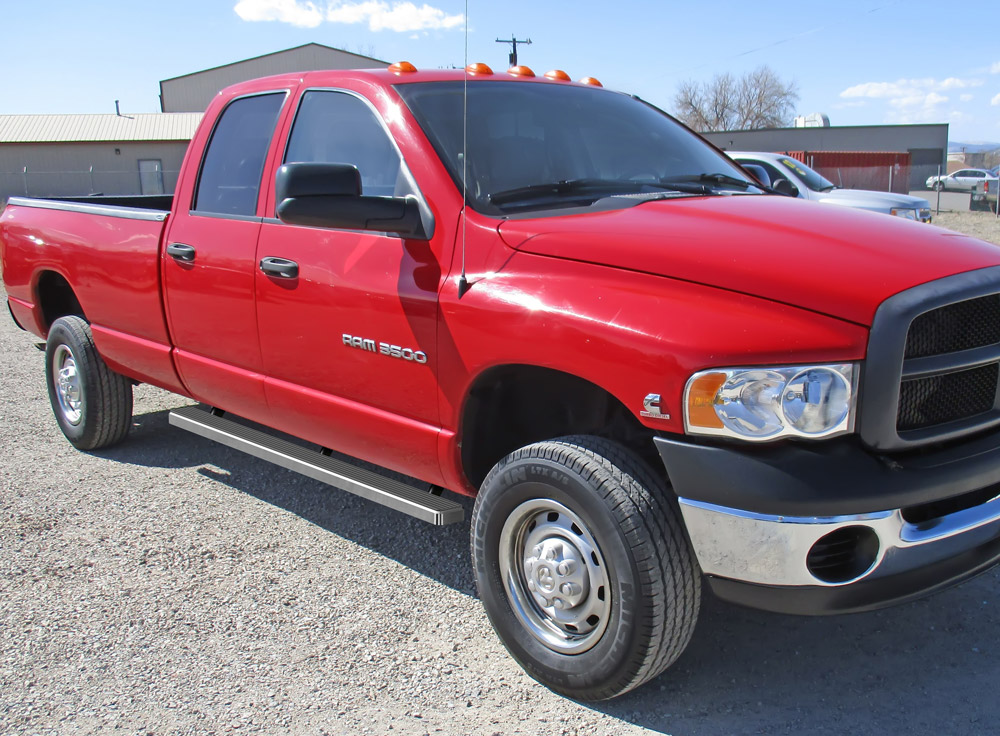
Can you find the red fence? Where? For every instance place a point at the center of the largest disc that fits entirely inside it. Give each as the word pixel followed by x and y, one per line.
pixel 860 169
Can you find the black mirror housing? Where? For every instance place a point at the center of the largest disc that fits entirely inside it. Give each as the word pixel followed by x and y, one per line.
pixel 316 179
pixel 329 195
pixel 783 186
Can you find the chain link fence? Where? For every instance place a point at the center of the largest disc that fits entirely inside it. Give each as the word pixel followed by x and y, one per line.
pixel 27 183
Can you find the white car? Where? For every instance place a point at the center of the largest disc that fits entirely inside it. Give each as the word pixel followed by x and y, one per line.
pixel 807 184
pixel 963 180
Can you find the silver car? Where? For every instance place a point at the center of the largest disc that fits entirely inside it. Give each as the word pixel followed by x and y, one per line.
pixel 798 180
pixel 963 180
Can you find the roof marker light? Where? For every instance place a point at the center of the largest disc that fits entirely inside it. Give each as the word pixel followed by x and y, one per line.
pixel 558 75
pixel 478 68
pixel 520 71
pixel 402 67
pixel 591 81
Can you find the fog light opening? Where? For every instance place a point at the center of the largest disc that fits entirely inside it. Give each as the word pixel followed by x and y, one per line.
pixel 843 555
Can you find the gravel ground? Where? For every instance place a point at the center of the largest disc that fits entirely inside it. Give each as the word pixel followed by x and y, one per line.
pixel 173 586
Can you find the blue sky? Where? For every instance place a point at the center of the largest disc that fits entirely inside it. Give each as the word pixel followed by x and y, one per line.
pixel 859 61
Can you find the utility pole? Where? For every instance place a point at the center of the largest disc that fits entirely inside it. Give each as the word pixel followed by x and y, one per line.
pixel 513 44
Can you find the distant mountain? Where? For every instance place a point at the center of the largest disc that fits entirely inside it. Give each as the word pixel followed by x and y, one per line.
pixel 956 147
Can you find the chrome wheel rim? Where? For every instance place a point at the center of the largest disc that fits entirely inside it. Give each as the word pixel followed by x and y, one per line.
pixel 555 576
pixel 69 390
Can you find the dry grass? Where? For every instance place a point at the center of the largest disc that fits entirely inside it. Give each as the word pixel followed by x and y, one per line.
pixel 982 225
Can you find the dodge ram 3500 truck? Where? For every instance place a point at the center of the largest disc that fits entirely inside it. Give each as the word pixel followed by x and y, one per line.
pixel 651 373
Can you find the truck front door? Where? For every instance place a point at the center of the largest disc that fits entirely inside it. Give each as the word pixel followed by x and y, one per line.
pixel 349 342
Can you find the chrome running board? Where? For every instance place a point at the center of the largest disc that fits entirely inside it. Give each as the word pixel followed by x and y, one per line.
pixel 417 502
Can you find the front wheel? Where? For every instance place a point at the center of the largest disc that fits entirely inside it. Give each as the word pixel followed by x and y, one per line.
pixel 91 403
pixel 583 566
pixel 938 186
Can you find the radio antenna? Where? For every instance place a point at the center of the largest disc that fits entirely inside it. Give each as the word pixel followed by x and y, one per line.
pixel 463 282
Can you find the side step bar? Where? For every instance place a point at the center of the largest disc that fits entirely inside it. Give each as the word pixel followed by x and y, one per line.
pixel 365 483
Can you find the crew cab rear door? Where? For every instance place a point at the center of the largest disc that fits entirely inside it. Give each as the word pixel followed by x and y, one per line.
pixel 349 342
pixel 208 261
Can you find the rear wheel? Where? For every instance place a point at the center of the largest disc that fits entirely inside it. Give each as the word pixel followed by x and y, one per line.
pixel 91 403
pixel 583 566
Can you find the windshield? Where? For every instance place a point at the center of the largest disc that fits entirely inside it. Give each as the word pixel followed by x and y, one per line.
pixel 541 146
pixel 810 178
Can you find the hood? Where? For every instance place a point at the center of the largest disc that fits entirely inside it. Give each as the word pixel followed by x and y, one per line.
pixel 838 261
pixel 868 199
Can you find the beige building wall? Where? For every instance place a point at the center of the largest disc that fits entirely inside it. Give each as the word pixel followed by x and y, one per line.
pixel 68 169
pixel 193 92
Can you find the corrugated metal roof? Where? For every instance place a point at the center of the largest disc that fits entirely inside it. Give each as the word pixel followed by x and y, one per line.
pixel 158 126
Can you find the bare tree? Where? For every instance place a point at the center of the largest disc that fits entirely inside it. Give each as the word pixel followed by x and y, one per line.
pixel 758 99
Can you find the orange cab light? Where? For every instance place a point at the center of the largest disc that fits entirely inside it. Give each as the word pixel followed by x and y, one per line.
pixel 701 400
pixel 520 71
pixel 558 74
pixel 478 68
pixel 402 67
pixel 592 81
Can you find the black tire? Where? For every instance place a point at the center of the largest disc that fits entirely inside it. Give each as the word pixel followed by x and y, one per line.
pixel 92 403
pixel 643 585
pixel 938 186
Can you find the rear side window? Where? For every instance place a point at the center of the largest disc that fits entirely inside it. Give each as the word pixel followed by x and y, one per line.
pixel 234 162
pixel 334 127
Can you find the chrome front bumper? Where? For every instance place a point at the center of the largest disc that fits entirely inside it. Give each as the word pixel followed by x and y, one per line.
pixel 771 550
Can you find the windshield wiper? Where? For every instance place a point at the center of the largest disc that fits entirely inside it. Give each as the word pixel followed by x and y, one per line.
pixel 717 179
pixel 564 187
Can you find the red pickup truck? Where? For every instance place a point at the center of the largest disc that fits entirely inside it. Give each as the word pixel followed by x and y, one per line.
pixel 650 371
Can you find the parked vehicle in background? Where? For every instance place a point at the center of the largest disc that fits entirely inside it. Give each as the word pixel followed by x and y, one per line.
pixel 963 180
pixel 809 184
pixel 984 196
pixel 650 372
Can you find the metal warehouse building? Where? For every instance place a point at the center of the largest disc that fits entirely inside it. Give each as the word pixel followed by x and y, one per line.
pixel 193 92
pixel 65 155
pixel 926 144
pixel 60 155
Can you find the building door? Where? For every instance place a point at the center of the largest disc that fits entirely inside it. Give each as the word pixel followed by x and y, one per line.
pixel 150 176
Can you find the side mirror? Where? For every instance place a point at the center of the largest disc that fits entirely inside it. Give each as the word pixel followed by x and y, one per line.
pixel 759 173
pixel 783 186
pixel 329 195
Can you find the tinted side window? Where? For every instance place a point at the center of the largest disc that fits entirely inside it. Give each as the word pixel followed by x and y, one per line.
pixel 234 162
pixel 333 127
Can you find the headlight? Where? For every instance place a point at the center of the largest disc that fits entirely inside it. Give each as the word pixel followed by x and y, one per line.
pixel 908 214
pixel 768 403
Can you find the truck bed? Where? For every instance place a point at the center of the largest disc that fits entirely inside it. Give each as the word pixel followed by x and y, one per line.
pixel 110 253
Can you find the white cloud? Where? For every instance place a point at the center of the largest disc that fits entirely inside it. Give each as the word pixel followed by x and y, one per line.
pixel 995 69
pixel 966 98
pixel 995 100
pixel 908 88
pixel 302 14
pixel 402 17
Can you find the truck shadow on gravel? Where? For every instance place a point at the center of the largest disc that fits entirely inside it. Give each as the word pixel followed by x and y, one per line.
pixel 927 666
pixel 440 553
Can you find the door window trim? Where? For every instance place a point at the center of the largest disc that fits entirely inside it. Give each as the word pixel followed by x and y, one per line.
pixel 425 213
pixel 204 153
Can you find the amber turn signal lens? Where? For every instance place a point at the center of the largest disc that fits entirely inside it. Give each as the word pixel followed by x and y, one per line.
pixel 558 74
pixel 591 81
pixel 520 71
pixel 402 67
pixel 701 400
pixel 478 68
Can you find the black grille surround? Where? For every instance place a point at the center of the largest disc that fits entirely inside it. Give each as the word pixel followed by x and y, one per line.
pixel 933 368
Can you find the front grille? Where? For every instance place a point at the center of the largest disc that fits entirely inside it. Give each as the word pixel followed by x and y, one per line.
pixel 932 371
pixel 925 402
pixel 961 326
